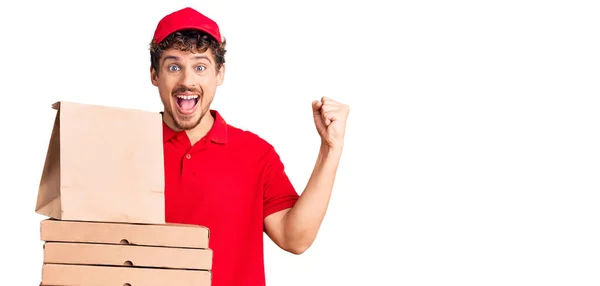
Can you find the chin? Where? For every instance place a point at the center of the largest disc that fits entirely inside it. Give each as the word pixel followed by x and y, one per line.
pixel 187 113
pixel 187 121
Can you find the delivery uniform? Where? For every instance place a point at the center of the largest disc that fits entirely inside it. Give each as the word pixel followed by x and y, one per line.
pixel 229 181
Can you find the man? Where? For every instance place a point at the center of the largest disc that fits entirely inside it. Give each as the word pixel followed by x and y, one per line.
pixel 224 178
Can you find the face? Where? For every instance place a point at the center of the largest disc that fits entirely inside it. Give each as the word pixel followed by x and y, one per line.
pixel 187 83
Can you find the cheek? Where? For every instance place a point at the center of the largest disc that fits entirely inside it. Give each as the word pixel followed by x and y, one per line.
pixel 208 85
pixel 165 87
pixel 209 91
pixel 165 94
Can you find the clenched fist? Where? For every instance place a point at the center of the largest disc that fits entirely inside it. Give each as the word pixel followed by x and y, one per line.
pixel 330 119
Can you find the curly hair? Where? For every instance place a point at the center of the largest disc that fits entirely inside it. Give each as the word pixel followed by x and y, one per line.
pixel 188 40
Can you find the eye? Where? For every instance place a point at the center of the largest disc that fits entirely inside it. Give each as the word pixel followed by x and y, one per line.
pixel 200 68
pixel 173 68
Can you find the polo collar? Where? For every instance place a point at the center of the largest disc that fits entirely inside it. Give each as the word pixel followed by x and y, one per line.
pixel 217 133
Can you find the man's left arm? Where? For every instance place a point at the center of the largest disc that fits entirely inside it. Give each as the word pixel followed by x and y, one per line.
pixel 295 229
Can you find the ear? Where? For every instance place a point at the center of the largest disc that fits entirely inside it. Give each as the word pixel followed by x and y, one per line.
pixel 221 75
pixel 153 76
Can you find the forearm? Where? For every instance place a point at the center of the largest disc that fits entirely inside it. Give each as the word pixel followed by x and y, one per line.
pixel 303 221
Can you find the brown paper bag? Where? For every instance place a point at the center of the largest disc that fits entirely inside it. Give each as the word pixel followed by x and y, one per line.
pixel 103 164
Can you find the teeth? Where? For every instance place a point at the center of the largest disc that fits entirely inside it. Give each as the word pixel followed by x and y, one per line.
pixel 187 96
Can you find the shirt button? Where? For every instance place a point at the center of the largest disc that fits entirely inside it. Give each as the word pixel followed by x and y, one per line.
pixel 188 156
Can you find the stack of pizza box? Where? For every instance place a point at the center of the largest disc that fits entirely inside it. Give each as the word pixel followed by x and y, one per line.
pixel 99 253
pixel 102 189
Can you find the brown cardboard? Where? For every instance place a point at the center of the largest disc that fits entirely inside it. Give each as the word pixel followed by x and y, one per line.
pixel 87 275
pixel 127 255
pixel 103 164
pixel 167 235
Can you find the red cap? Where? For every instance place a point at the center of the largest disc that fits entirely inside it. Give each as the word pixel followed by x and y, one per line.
pixel 186 18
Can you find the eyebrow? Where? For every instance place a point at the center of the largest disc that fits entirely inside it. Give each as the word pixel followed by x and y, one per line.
pixel 176 58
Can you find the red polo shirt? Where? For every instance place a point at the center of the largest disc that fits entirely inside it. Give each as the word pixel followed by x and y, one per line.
pixel 229 182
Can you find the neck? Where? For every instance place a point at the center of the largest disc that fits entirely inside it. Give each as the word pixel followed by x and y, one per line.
pixel 196 133
pixel 201 129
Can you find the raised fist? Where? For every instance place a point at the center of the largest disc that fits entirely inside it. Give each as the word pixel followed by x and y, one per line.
pixel 330 119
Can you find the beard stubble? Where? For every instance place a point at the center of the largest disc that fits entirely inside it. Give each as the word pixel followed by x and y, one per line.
pixel 185 121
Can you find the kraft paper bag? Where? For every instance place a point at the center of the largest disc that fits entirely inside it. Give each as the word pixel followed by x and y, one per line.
pixel 103 164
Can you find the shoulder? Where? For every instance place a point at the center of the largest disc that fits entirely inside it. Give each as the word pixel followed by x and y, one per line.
pixel 253 149
pixel 248 141
pixel 247 144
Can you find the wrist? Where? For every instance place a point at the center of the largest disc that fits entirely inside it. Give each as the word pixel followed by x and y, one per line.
pixel 327 150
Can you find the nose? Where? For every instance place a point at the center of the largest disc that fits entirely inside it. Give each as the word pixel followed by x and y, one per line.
pixel 187 78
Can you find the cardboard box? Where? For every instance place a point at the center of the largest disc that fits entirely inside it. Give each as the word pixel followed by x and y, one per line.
pixel 166 235
pixel 127 255
pixel 80 253
pixel 103 164
pixel 87 275
pixel 102 188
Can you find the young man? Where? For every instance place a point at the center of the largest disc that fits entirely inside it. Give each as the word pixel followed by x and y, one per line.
pixel 224 178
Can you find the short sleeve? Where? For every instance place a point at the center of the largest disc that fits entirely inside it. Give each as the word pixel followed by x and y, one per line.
pixel 278 191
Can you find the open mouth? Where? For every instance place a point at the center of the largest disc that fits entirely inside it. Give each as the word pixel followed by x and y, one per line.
pixel 187 103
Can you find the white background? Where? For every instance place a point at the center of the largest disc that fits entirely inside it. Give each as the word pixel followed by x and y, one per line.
pixel 472 153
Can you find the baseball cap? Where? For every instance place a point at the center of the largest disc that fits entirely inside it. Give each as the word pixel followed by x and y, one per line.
pixel 186 18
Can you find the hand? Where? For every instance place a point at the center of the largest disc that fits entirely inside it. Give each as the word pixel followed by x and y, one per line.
pixel 330 119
